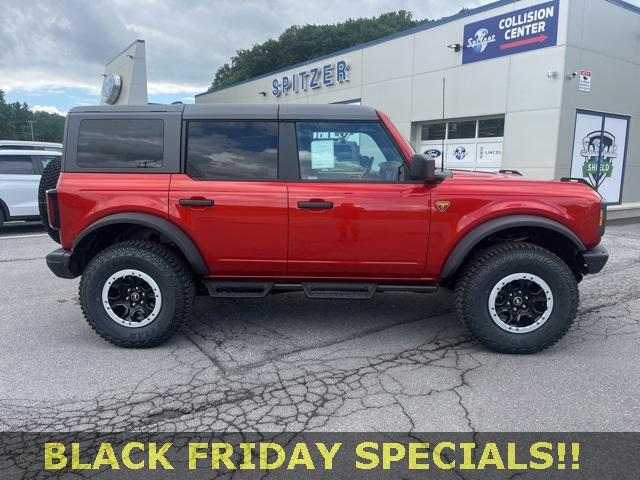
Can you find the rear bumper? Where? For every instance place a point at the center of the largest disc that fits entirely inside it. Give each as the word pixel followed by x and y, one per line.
pixel 596 258
pixel 59 261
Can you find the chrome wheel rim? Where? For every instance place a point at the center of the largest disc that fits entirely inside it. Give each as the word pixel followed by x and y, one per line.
pixel 520 303
pixel 131 298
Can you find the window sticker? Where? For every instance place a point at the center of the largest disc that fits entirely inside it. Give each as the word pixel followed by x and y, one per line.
pixel 322 154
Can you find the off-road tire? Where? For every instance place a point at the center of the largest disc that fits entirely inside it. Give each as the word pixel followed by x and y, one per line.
pixel 48 181
pixel 483 271
pixel 164 266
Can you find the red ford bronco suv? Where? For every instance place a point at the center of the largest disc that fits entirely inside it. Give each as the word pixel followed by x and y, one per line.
pixel 155 204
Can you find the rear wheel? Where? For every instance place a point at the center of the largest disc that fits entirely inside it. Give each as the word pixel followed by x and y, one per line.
pixel 517 297
pixel 48 181
pixel 136 293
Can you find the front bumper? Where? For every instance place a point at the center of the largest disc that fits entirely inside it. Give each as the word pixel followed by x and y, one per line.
pixel 596 258
pixel 59 262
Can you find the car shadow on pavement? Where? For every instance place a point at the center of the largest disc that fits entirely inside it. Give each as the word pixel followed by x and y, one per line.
pixel 237 333
pixel 21 228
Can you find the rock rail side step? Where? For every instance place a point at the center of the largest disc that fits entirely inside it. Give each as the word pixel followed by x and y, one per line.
pixel 315 290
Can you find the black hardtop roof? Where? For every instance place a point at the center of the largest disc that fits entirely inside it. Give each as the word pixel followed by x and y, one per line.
pixel 238 111
pixel 127 108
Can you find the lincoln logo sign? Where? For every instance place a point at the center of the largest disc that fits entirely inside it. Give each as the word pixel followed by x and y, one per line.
pixel 513 32
pixel 311 78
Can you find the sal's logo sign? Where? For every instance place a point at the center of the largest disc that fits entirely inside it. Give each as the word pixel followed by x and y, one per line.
pixel 599 150
pixel 480 40
pixel 312 78
pixel 514 32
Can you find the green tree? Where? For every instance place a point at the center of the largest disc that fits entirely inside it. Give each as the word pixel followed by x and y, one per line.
pixel 15 118
pixel 301 43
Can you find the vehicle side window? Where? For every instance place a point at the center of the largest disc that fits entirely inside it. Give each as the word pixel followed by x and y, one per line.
pixel 44 160
pixel 352 151
pixel 120 143
pixel 232 150
pixel 16 165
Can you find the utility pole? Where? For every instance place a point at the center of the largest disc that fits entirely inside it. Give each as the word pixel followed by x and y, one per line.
pixel 30 122
pixel 445 124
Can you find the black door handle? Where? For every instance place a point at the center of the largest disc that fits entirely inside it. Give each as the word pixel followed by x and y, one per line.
pixel 196 202
pixel 316 205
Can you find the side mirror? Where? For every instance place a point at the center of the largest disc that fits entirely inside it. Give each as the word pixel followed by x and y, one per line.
pixel 423 168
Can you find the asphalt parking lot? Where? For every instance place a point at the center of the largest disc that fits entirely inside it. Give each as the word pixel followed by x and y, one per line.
pixel 397 363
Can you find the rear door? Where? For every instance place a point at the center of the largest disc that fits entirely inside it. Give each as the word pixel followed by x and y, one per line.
pixel 19 184
pixel 351 212
pixel 230 200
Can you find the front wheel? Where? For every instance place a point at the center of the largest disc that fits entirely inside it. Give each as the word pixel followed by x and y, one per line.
pixel 136 294
pixel 517 297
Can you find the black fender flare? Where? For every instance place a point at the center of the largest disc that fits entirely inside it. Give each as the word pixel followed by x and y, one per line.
pixel 4 210
pixel 165 227
pixel 475 236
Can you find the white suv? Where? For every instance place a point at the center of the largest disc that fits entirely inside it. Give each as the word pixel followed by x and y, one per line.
pixel 20 172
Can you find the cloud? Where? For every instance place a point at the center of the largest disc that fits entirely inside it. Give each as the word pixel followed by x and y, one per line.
pixel 174 88
pixel 48 109
pixel 65 44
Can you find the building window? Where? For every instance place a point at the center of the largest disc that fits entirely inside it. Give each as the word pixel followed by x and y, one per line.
pixel 113 143
pixel 466 129
pixel 491 127
pixel 474 144
pixel 232 150
pixel 434 131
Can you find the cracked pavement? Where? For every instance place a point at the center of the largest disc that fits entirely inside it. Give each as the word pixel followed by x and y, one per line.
pixel 400 362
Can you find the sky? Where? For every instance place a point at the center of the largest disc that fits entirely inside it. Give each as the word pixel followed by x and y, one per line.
pixel 53 52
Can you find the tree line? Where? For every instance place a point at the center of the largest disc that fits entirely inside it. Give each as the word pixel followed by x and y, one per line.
pixel 16 118
pixel 298 44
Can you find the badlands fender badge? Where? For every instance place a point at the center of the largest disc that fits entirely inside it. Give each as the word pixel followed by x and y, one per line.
pixel 442 205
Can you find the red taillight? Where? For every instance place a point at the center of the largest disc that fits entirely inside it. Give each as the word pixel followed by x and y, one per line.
pixel 53 214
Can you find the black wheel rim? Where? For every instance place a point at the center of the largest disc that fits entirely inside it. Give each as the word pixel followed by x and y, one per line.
pixel 131 298
pixel 520 303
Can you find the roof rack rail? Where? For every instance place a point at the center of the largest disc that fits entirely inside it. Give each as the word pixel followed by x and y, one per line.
pixel 577 180
pixel 512 172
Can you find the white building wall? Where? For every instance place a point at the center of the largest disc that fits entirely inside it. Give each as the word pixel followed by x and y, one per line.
pixel 604 38
pixel 403 77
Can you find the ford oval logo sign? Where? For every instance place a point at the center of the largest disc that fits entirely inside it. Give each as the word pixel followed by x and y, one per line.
pixel 432 153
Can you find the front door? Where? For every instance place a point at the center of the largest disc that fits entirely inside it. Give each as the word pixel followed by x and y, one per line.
pixel 351 213
pixel 230 201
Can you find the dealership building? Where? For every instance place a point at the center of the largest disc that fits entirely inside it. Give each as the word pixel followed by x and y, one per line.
pixel 551 89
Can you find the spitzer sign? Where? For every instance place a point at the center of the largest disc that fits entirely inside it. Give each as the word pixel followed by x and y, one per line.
pixel 513 32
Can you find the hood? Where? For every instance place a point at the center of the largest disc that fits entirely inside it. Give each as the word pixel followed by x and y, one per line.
pixel 514 184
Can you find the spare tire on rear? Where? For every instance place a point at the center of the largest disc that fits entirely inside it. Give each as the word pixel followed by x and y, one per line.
pixel 48 181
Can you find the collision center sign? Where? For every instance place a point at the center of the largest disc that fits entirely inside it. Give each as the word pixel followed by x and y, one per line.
pixel 513 32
